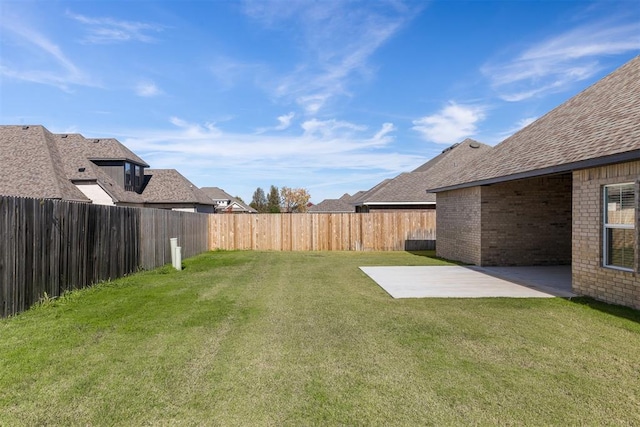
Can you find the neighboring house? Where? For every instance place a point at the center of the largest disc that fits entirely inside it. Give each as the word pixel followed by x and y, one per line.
pixel 564 189
pixel 104 170
pixel 168 189
pixel 341 205
pixel 406 191
pixel 32 166
pixel 225 203
pixel 37 163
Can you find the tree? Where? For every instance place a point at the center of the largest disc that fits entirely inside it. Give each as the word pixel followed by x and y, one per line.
pixel 273 200
pixel 259 201
pixel 294 199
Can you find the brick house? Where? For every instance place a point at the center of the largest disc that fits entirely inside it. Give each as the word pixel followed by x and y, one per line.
pixel 341 205
pixel 563 190
pixel 406 191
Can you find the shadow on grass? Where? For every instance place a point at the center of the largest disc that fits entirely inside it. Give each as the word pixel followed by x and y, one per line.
pixel 614 310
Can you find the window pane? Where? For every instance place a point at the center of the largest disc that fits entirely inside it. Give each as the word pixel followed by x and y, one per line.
pixel 620 247
pixel 620 200
pixel 137 175
pixel 127 175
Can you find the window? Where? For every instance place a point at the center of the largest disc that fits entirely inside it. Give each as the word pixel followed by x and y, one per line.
pixel 139 177
pixel 619 226
pixel 128 182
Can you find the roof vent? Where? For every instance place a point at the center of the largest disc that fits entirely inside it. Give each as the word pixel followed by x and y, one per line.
pixel 96 141
pixel 25 127
pixel 474 145
pixel 63 136
pixel 81 169
pixel 451 148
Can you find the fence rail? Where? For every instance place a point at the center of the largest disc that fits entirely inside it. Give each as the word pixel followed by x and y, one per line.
pixel 379 231
pixel 49 246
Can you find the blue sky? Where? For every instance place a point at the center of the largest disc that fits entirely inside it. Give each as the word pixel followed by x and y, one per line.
pixel 332 96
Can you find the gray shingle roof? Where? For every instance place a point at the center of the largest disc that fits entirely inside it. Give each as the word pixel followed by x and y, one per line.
pixel 32 166
pixel 215 193
pixel 169 186
pixel 360 196
pixel 332 206
pixel 101 148
pixel 75 151
pixel 410 187
pixel 600 125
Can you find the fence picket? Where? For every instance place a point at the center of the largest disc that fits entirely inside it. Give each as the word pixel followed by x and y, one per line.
pixel 379 231
pixel 53 246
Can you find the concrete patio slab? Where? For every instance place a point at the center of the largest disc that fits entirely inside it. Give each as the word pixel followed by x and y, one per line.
pixel 472 282
pixel 555 279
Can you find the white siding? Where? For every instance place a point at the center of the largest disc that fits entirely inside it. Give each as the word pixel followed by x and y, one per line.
pixel 97 195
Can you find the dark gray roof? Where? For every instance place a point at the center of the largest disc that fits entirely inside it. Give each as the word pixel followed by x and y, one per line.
pixel 410 187
pixel 360 196
pixel 75 151
pixel 101 148
pixel 406 188
pixel 32 166
pixel 215 193
pixel 332 206
pixel 600 125
pixel 169 186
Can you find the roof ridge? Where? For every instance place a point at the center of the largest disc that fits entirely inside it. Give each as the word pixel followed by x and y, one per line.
pixel 61 181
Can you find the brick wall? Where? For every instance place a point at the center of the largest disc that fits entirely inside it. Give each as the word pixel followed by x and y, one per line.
pixel 589 277
pixel 527 222
pixel 458 225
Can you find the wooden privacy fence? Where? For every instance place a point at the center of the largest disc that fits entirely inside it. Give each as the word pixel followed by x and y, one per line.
pixel 50 246
pixel 379 231
pixel 158 226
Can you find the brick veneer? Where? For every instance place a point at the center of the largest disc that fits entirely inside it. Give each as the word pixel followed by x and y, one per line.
pixel 525 222
pixel 458 225
pixel 589 276
pixel 548 220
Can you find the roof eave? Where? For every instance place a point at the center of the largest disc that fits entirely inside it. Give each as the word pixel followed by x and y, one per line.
pixel 118 159
pixel 394 203
pixel 551 170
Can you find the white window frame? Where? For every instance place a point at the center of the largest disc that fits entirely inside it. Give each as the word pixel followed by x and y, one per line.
pixel 607 226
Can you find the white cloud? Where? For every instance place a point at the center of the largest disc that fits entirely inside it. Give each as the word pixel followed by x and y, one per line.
pixel 147 89
pixel 108 30
pixel 554 64
pixel 60 71
pixel 382 134
pixel 285 121
pixel 523 123
pixel 322 145
pixel 329 156
pixel 452 124
pixel 313 103
pixel 338 38
pixel 330 128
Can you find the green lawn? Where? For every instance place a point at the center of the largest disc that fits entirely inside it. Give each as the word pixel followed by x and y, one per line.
pixel 268 338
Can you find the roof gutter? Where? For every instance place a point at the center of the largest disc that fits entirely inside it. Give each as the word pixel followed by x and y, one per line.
pixel 552 170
